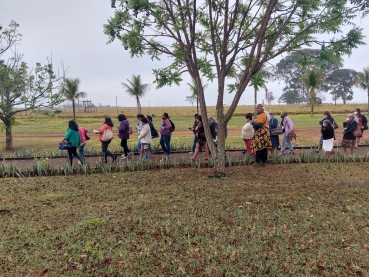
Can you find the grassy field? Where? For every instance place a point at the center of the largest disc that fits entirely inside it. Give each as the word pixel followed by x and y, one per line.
pixel 40 133
pixel 295 220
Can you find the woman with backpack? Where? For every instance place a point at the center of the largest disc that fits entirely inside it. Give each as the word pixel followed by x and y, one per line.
pixel 105 131
pixel 124 130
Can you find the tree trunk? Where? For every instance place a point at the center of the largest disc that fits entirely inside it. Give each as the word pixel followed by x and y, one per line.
pixel 217 152
pixel 255 100
pixel 8 135
pixel 197 100
pixel 368 100
pixel 344 101
pixel 138 105
pixel 74 109
pixel 311 106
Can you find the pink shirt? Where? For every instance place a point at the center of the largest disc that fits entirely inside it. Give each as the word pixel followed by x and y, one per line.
pixel 82 134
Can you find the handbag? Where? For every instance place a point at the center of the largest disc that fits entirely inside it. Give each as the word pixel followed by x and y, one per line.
pixel 107 135
pixel 335 126
pixel 87 137
pixel 64 145
pixel 276 131
pixel 357 132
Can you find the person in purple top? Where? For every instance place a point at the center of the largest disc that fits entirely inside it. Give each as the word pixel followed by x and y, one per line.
pixel 287 126
pixel 165 135
pixel 124 135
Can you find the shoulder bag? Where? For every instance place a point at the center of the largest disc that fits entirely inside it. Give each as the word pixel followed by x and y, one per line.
pixel 107 135
pixel 64 145
pixel 276 131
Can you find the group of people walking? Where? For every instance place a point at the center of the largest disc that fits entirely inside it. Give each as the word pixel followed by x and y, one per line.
pixel 76 136
pixel 260 135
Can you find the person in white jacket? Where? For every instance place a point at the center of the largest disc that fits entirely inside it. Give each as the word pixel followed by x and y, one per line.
pixel 145 138
pixel 248 133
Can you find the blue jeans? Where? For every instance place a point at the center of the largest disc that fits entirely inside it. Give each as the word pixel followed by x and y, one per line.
pixel 286 139
pixel 165 143
pixel 81 151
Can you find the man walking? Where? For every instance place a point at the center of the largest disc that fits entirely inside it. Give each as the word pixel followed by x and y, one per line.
pixel 287 127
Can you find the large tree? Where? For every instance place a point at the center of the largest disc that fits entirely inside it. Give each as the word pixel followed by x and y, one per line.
pixel 218 39
pixel 340 83
pixel 363 81
pixel 136 89
pixel 295 67
pixel 21 88
pixel 71 91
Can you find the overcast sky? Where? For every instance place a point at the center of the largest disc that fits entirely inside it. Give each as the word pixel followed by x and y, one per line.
pixel 73 32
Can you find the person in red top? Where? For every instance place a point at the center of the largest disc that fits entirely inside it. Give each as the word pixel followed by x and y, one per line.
pixel 82 134
pixel 108 124
pixel 165 135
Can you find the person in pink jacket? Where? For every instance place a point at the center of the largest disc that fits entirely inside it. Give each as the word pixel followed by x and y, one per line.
pixel 287 126
pixel 165 135
pixel 82 134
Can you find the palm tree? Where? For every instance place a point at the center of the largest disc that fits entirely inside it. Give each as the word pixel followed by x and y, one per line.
pixel 137 89
pixel 195 91
pixel 259 80
pixel 312 80
pixel 363 81
pixel 70 90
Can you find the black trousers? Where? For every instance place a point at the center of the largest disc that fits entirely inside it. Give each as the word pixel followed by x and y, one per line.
pixel 73 152
pixel 104 148
pixel 123 143
pixel 262 156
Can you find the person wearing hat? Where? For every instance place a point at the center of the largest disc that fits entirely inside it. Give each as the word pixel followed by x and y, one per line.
pixel 261 140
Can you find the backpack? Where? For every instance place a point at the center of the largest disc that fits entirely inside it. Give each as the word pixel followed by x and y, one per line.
pixel 173 126
pixel 130 130
pixel 154 132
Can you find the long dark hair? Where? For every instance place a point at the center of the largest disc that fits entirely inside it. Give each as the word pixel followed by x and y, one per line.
pixel 121 117
pixel 108 121
pixel 199 118
pixel 73 125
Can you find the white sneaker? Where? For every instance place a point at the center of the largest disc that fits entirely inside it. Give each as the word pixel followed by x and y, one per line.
pixel 190 152
pixel 123 157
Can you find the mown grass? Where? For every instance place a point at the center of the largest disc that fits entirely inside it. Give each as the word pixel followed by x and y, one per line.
pixel 288 220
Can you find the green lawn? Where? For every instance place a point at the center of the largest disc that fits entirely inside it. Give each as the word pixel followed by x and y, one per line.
pixel 287 220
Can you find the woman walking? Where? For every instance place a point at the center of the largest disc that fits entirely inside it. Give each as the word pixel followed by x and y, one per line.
pixel 201 139
pixel 326 116
pixel 261 141
pixel 327 136
pixel 349 126
pixel 248 133
pixel 108 125
pixel 273 123
pixel 362 122
pixel 165 133
pixel 83 139
pixel 72 136
pixel 123 130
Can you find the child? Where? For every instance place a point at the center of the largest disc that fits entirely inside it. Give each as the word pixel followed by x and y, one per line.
pixel 145 138
pixel 248 133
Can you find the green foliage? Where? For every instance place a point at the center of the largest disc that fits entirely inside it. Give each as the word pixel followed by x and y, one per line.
pixel 341 82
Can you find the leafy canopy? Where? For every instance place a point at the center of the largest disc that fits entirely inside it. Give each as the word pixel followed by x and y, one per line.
pixel 219 39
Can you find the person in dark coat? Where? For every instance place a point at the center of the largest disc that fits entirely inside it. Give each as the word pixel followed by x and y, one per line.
pixel 124 135
pixel 349 126
pixel 327 136
pixel 326 116
pixel 273 123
